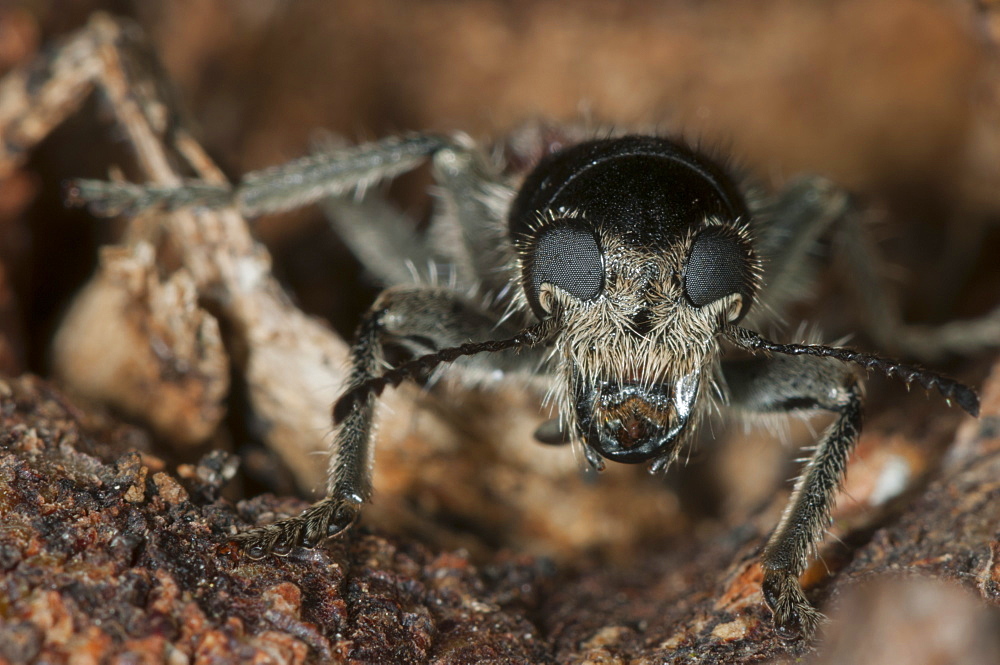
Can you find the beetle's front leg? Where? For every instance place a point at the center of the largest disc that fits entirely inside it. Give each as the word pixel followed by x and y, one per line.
pixel 418 320
pixel 783 384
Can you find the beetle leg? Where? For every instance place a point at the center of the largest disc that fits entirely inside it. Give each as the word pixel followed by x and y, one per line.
pixel 788 384
pixel 417 320
pixel 467 233
pixel 884 315
pixel 789 229
pixel 275 189
pixel 469 228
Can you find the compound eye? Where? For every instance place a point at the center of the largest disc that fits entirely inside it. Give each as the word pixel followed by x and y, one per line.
pixel 566 256
pixel 720 264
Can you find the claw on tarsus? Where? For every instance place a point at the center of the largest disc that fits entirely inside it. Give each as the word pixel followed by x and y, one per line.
pixel 326 519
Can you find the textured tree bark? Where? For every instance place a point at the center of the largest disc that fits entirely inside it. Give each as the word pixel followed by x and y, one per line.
pixel 105 554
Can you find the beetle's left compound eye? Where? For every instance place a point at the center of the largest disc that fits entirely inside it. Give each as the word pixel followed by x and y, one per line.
pixel 567 256
pixel 720 264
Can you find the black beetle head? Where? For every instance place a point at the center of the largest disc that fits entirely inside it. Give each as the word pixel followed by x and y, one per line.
pixel 639 247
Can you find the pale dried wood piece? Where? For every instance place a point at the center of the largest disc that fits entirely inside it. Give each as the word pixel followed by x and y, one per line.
pixel 35 99
pixel 139 337
pixel 144 344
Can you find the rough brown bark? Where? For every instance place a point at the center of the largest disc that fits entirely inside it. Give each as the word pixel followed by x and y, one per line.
pixel 103 553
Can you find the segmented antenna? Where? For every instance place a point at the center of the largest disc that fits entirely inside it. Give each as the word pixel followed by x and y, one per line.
pixel 393 377
pixel 950 389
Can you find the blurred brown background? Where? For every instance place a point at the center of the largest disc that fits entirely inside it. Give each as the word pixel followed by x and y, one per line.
pixel 895 99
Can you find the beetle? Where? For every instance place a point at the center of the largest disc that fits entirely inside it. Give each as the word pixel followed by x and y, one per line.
pixel 628 272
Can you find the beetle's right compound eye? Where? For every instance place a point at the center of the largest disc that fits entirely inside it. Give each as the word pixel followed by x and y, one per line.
pixel 720 264
pixel 566 256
